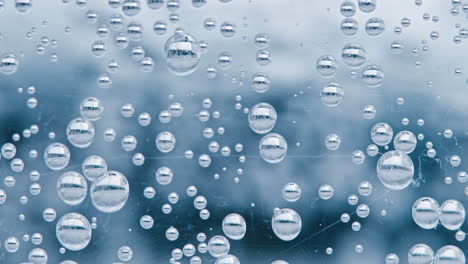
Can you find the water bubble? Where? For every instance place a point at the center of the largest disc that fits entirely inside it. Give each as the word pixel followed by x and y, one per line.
pixel 160 27
pixel 327 66
pixel 365 188
pixel 358 157
pixel 449 255
pixel 155 4
pixel 392 259
pixel 348 9
pixel 261 82
pixel 291 192
pixel 37 256
pixel 182 53
pixel 164 175
pixel 286 224
pixel 80 132
pixel 23 6
pixel 262 118
pixel 372 76
pixel 395 170
pixel 375 26
pixel 91 108
pixel 218 246
pixel 98 48
pixel 73 231
pixel 131 7
pixel 125 253
pixel 452 214
pixel 326 192
pixel 367 6
pixel 331 94
pixel 209 24
pixel 349 26
pixel 353 55
pixel 262 40
pixel 227 259
pixel 234 226
pixel 135 31
pixel 332 141
pixel 263 57
pixel 109 193
pixel 8 150
pixel 72 187
pixel 405 141
pixel 165 142
pixel 426 212
pixel 56 156
pixel 228 29
pixel 273 148
pixel 381 134
pixel 8 63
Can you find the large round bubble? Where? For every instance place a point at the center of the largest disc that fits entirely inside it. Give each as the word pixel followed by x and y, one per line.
pixel 72 188
pixel 286 224
pixel 80 132
pixel 182 53
pixel 262 118
pixel 425 212
pixel 109 193
pixel 395 170
pixel 273 148
pixel 56 156
pixel 73 231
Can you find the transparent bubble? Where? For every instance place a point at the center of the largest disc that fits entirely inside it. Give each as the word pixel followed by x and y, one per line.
pixel 353 55
pixel 182 53
pixel 395 170
pixel 73 231
pixel 8 63
pixel 372 76
pixel 365 188
pixel 23 6
pixel 164 175
pixel 381 134
pixel 125 253
pixel 348 9
pixel 375 26
pixel 358 157
pixel 131 7
pixel 262 40
pixel 449 255
pixel 332 142
pixel 12 244
pixel 91 108
pixel 326 192
pixel 165 142
pixel 426 212
pixel 218 246
pixel 234 226
pixel 56 156
pixel 80 132
pixel 262 118
pixel 109 193
pixel 349 26
pixel 228 29
pixel 392 259
pixel 160 27
pixel 273 148
pixel 405 141
pixel 291 192
pixel 129 143
pixel 37 256
pixel 332 94
pixel 224 60
pixel 286 224
pixel 327 66
pixel 72 188
pixel 261 82
pixel 367 6
pixel 452 214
